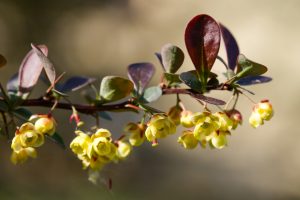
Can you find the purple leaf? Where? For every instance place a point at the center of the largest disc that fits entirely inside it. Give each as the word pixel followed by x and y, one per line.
pixel 47 64
pixel 140 74
pixel 232 48
pixel 251 80
pixel 75 83
pixel 30 69
pixel 202 40
pixel 13 83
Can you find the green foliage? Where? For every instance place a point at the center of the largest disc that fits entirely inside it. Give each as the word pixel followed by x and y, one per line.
pixel 114 88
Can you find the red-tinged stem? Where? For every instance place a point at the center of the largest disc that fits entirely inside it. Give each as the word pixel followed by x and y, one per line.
pixel 128 105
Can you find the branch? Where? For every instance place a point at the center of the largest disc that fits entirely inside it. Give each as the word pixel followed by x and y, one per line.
pixel 83 108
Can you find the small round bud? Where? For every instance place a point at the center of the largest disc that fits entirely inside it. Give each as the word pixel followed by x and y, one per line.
pixel 236 117
pixel 265 109
pixel 45 125
pixel 175 114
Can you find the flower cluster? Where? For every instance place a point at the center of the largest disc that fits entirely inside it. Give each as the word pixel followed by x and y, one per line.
pixel 160 126
pixel 208 129
pixel 261 112
pixel 99 149
pixel 30 136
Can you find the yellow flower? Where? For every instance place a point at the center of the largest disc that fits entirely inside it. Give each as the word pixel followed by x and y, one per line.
pixel 225 123
pixel 94 163
pixel 186 119
pixel 123 149
pixel 206 125
pixel 255 119
pixel 137 133
pixel 101 132
pixel 22 155
pixel 265 110
pixel 27 136
pixel 44 124
pixel 159 126
pixel 187 140
pixel 219 139
pixel 80 144
pixel 175 114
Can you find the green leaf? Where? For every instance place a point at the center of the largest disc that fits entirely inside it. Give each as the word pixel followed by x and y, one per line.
pixel 172 79
pixel 213 82
pixel 23 113
pixel 57 139
pixel 249 68
pixel 152 94
pixel 3 106
pixel 114 88
pixel 190 78
pixel 172 58
pixel 105 115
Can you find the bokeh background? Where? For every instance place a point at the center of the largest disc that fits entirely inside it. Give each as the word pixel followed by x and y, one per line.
pixel 101 37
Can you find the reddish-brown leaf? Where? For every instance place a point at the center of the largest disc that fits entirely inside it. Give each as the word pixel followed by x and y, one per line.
pixel 202 39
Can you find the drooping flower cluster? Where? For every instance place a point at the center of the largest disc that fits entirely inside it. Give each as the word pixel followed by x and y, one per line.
pixel 99 149
pixel 30 136
pixel 261 112
pixel 160 126
pixel 208 129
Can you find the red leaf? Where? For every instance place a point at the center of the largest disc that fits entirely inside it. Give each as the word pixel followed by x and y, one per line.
pixel 202 40
pixel 30 69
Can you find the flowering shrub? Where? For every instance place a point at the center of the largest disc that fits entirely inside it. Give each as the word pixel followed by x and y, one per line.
pixel 98 147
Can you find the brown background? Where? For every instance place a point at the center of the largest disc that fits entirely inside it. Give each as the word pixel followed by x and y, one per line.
pixel 99 38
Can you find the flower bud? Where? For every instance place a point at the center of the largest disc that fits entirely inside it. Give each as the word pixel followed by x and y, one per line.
pixel 187 140
pixel 175 114
pixel 45 124
pixel 265 110
pixel 236 118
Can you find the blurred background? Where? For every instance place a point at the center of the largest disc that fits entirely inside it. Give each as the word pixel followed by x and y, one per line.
pixel 101 37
